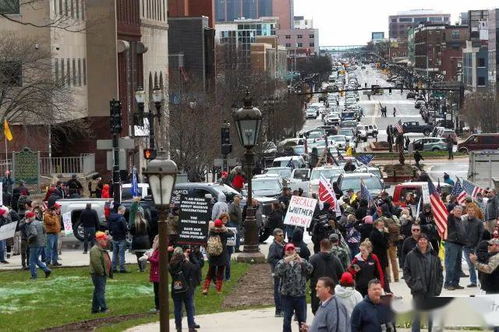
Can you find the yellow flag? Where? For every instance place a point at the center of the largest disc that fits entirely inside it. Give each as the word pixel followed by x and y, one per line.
pixel 6 130
pixel 349 152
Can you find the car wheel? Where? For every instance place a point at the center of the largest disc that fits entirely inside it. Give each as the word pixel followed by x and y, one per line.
pixel 463 150
pixel 78 231
pixel 427 132
pixel 435 149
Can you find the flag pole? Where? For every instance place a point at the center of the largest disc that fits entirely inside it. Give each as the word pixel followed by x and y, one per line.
pixel 6 154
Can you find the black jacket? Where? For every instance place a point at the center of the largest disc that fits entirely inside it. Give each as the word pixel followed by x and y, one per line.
pixel 140 238
pixel 276 253
pixel 423 273
pixel 489 282
pixel 407 246
pixel 89 218
pixel 364 230
pixel 221 259
pixel 189 270
pixel 325 265
pixel 301 247
pixel 380 245
pixel 474 230
pixel 368 316
pixel 455 230
pixel 117 227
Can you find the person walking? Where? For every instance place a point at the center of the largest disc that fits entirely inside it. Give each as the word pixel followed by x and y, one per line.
pixel 410 242
pixel 293 272
pixel 365 266
pixel 325 264
pixel 236 219
pixel 394 112
pixel 100 270
pixel 90 222
pixel 52 224
pixel 473 228
pixel 118 230
pixel 417 158
pixel 346 293
pixel 153 259
pixel 450 146
pixel 423 274
pixel 217 255
pixel 276 253
pixel 140 237
pixel 37 240
pixel 332 315
pixel 491 210
pixel 23 228
pixel 454 248
pixel 183 271
pixel 379 240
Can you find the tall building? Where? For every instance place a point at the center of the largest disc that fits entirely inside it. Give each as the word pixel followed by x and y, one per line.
pixel 400 23
pixel 302 39
pixel 230 10
pixel 493 25
pixel 195 8
pixel 284 9
pixel 475 55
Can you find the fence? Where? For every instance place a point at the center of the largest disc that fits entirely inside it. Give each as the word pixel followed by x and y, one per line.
pixel 5 165
pixel 83 164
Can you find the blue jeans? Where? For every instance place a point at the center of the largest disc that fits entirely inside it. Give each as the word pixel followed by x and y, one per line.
pixel 294 304
pixel 88 235
pixel 238 235
pixel 453 256
pixel 471 267
pixel 99 297
pixel 119 248
pixel 51 252
pixel 2 250
pixel 187 301
pixel 277 294
pixel 230 250
pixel 34 260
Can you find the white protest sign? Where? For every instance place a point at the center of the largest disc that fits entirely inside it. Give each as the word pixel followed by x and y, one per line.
pixel 426 193
pixel 8 230
pixel 231 241
pixel 300 211
pixel 68 226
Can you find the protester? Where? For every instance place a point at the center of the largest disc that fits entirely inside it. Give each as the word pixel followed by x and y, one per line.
pixel 325 264
pixel 491 210
pixel 410 242
pixel 301 247
pixel 24 229
pixel 219 207
pixel 276 253
pixel 75 187
pixel 365 228
pixel 52 224
pixel 423 274
pixel 352 235
pixel 474 230
pixel 118 230
pixel 230 247
pixel 332 315
pixel 100 270
pixel 140 237
pixel 379 240
pixel 372 314
pixel 90 222
pixel 365 266
pixel 346 293
pixel 293 272
pixel 4 219
pixel 490 268
pixel 153 258
pixel 454 249
pixel 284 200
pixel 236 219
pixel 183 271
pixel 339 252
pixel 448 180
pixel 217 255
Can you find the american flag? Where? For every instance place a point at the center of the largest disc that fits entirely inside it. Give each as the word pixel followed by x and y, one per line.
pixel 365 194
pixel 326 194
pixel 458 192
pixel 399 127
pixel 471 189
pixel 439 210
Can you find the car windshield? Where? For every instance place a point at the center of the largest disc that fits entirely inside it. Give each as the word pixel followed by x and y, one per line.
pixel 299 149
pixel 372 183
pixel 266 184
pixel 346 132
pixel 283 172
pixel 300 174
pixel 314 134
pixel 338 139
pixel 327 173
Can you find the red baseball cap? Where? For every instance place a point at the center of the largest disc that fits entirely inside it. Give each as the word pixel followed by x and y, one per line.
pixel 346 279
pixel 219 223
pixel 29 214
pixel 289 246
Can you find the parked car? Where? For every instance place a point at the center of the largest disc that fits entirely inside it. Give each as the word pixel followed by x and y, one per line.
pixel 266 185
pixel 479 142
pixel 330 172
pixel 311 113
pixel 444 133
pixel 340 141
pixel 430 144
pixel 283 172
pixel 348 181
pixel 401 191
pixel 295 161
pixel 348 133
pixel 416 127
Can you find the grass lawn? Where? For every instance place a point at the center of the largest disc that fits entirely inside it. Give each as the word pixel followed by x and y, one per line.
pixel 66 297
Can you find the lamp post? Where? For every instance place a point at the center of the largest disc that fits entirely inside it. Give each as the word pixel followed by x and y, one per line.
pixel 162 173
pixel 248 120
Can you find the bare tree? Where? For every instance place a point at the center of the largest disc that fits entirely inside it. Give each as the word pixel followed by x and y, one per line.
pixel 481 110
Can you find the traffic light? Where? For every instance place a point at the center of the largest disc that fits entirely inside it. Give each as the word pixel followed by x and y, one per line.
pixel 115 116
pixel 225 142
pixel 149 154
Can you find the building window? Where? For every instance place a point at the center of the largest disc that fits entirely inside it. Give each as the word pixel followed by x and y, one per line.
pixel 72 9
pixel 455 34
pixel 288 44
pixel 84 69
pixel 11 73
pixel 311 44
pixel 74 72
pixel 405 19
pixel 311 36
pixel 56 70
pixel 481 81
pixel 288 36
pixel 77 7
pixel 79 72
pixel 394 20
pixel 68 66
pixel 481 62
pixel 83 9
pixel 299 36
pixel 300 45
pixel 10 7
pixel 63 75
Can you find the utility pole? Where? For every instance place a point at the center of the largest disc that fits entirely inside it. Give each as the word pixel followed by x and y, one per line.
pixel 115 122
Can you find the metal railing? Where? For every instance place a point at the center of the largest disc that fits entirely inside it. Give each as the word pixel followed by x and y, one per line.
pixel 5 165
pixel 67 165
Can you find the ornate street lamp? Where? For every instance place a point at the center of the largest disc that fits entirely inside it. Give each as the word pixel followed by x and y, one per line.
pixel 162 173
pixel 248 121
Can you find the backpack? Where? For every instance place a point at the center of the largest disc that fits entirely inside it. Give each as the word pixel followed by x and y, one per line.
pixel 179 283
pixel 214 245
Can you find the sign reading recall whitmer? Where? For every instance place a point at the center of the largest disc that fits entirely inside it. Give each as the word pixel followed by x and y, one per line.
pixel 194 219
pixel 300 211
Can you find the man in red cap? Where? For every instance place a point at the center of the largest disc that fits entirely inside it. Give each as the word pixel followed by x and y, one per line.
pixel 346 293
pixel 100 270
pixel 294 272
pixel 52 225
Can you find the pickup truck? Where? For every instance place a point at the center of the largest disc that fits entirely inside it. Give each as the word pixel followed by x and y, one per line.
pixel 416 127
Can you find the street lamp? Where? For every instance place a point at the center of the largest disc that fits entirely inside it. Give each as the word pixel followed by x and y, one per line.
pixel 162 173
pixel 248 120
pixel 140 98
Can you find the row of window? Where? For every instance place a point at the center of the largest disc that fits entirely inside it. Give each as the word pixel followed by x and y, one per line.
pixel 420 19
pixel 300 36
pixel 71 72
pixel 300 45
pixel 154 10
pixel 70 8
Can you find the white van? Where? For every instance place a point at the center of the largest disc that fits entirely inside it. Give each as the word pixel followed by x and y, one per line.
pixel 296 161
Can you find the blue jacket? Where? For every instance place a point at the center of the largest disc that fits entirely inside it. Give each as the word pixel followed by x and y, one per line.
pixel 117 227
pixel 368 316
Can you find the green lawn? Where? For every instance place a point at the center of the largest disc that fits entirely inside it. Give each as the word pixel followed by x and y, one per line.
pixel 66 296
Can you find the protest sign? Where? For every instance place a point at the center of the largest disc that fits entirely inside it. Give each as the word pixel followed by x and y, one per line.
pixel 68 226
pixel 8 230
pixel 193 220
pixel 231 241
pixel 300 211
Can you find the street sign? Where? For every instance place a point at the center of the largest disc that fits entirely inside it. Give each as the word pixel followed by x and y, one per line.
pixel 109 157
pixel 27 166
pixel 123 143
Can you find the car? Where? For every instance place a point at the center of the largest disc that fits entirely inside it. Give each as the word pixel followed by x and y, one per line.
pixel 283 172
pixel 430 144
pixel 348 133
pixel 349 124
pixel 361 132
pixel 269 148
pixel 311 113
pixel 332 119
pixel 411 95
pixel 445 133
pixel 267 185
pixel 370 169
pixel 289 161
pixel 339 141
pixel 329 172
pixel 352 180
pixel 401 191
pixel 416 127
pixel 479 142
pixel 434 132
pixel 348 115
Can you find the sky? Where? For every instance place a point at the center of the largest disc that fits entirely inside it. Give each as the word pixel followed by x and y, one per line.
pixel 350 22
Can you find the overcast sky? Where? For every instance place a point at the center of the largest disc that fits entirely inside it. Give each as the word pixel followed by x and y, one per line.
pixel 350 22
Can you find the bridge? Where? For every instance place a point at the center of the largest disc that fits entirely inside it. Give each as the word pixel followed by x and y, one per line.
pixel 341 49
